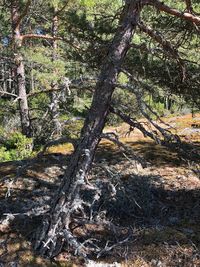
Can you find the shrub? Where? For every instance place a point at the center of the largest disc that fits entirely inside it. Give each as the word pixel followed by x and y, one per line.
pixel 16 146
pixel 4 154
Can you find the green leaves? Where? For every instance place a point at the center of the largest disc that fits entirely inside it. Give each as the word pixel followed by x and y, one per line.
pixel 87 3
pixel 44 70
pixel 16 147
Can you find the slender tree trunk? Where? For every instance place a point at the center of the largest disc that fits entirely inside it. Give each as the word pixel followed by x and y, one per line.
pixel 19 62
pixel 4 76
pixel 56 227
pixel 54 107
pixel 32 83
pixel 23 101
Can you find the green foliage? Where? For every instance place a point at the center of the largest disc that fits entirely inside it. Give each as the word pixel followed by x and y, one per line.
pixel 16 146
pixel 44 70
pixel 81 104
pixel 4 154
pixel 73 129
pixel 87 3
pixel 87 28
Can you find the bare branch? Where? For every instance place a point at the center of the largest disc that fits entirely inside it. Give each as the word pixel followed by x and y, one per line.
pixel 109 248
pixel 168 136
pixel 114 138
pixel 174 144
pixel 135 124
pixel 43 91
pixel 10 94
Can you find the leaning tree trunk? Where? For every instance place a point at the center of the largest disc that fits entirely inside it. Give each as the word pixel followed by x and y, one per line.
pixel 56 227
pixel 20 71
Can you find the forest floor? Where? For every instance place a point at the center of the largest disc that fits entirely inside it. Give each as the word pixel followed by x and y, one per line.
pixel 158 207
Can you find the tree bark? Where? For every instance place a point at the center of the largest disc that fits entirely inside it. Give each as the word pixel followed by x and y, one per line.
pixel 56 227
pixel 20 71
pixel 54 107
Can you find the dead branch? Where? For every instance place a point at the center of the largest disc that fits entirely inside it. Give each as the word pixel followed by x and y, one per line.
pixel 114 138
pixel 168 137
pixel 135 124
pixel 43 91
pixel 10 94
pixel 109 248
pixel 173 142
pixel 78 247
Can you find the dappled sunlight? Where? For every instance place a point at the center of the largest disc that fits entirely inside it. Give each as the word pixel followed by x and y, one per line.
pixel 159 204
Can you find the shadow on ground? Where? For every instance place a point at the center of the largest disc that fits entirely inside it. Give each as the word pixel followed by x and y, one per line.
pixel 163 223
pixel 151 152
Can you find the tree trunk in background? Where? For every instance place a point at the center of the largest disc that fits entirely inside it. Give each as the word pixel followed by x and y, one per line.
pixel 54 106
pixel 23 102
pixel 4 78
pixel 20 71
pixel 56 229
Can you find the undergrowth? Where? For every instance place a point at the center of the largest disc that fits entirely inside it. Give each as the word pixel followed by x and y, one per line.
pixel 14 146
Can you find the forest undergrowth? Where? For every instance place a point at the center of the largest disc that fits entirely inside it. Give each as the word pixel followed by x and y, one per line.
pixel 154 211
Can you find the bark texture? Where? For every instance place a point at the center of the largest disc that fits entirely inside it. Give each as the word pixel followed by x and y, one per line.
pixel 20 71
pixel 56 227
pixel 54 107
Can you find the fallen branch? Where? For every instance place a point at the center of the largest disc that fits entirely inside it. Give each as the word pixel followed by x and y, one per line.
pixel 109 248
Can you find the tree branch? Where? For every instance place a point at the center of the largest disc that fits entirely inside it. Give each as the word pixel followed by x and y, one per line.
pixel 135 124
pixel 40 36
pixel 73 86
pixel 10 94
pixel 167 46
pixel 60 141
pixel 189 6
pixel 114 138
pixel 25 11
pixel 188 152
pixel 62 8
pixel 172 11
pixel 48 37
